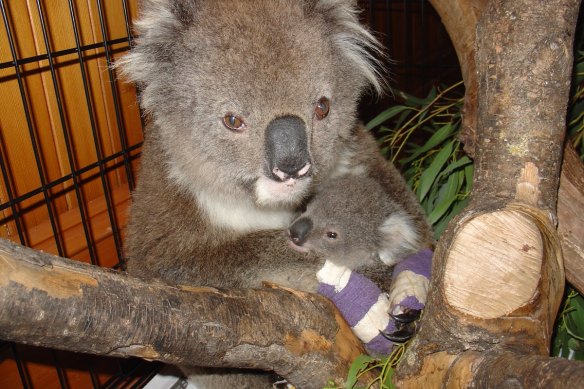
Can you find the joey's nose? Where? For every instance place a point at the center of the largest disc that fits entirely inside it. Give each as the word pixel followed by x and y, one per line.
pixel 299 230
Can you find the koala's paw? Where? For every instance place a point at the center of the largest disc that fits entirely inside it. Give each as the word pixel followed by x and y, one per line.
pixel 407 316
pixel 408 293
pixel 409 287
pixel 405 307
pixel 363 305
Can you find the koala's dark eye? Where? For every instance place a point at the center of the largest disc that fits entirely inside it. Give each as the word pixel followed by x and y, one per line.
pixel 322 108
pixel 331 235
pixel 233 122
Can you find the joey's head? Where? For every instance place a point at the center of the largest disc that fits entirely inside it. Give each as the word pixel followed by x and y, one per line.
pixel 352 221
pixel 251 98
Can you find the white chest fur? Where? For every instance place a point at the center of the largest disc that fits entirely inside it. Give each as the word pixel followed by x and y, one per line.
pixel 241 215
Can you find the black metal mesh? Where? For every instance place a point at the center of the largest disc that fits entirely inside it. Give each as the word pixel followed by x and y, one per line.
pixel 417 43
pixel 76 171
pixel 28 361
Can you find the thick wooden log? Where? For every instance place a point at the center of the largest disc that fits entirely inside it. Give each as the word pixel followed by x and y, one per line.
pixel 460 19
pixel 570 219
pixel 58 303
pixel 498 270
pixel 474 369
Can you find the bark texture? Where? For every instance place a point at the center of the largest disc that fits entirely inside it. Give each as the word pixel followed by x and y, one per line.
pixel 58 303
pixel 460 19
pixel 570 219
pixel 498 271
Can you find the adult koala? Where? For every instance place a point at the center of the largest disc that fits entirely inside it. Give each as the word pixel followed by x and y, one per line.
pixel 252 105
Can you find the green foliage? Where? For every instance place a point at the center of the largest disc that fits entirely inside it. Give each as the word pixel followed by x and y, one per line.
pixel 421 134
pixel 569 334
pixel 364 364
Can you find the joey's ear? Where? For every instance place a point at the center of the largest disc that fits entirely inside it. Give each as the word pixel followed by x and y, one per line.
pixel 353 40
pixel 399 237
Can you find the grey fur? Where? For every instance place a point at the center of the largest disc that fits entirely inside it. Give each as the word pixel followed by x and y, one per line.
pixel 353 221
pixel 206 210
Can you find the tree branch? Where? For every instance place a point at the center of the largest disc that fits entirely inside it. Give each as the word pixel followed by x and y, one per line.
pixel 498 276
pixel 54 302
pixel 460 19
pixel 570 221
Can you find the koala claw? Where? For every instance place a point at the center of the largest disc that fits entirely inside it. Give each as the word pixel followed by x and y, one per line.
pixel 407 315
pixel 405 323
pixel 403 333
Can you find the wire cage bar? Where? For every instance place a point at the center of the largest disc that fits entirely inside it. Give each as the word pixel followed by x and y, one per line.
pixel 70 141
pixel 71 137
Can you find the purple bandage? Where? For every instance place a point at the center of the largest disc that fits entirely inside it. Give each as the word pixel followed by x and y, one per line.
pixel 419 263
pixel 364 306
pixel 355 299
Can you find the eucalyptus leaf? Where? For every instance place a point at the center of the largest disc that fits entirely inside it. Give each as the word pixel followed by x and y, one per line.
pixel 429 175
pixel 579 70
pixel 575 318
pixel 468 176
pixel 421 118
pixel 413 101
pixel 447 199
pixel 387 381
pixel 574 344
pixel 357 367
pixel 439 136
pixel 384 151
pixel 385 116
pixel 464 161
pixel 431 95
pixel 402 118
pixel 443 223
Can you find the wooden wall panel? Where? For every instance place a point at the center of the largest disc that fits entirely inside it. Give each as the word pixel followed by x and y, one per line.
pixel 75 103
pixel 80 101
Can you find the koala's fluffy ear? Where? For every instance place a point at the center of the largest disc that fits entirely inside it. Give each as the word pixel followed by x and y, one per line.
pixel 353 40
pixel 398 238
pixel 182 10
pixel 157 28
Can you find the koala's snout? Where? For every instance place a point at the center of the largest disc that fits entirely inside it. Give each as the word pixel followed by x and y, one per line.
pixel 299 230
pixel 286 149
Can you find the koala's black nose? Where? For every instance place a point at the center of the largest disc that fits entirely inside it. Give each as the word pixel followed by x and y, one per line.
pixel 287 148
pixel 299 230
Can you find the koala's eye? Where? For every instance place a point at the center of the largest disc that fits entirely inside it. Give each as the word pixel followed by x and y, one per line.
pixel 331 235
pixel 233 122
pixel 322 108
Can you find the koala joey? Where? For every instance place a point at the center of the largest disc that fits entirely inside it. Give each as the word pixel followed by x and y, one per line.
pixel 251 107
pixel 354 222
